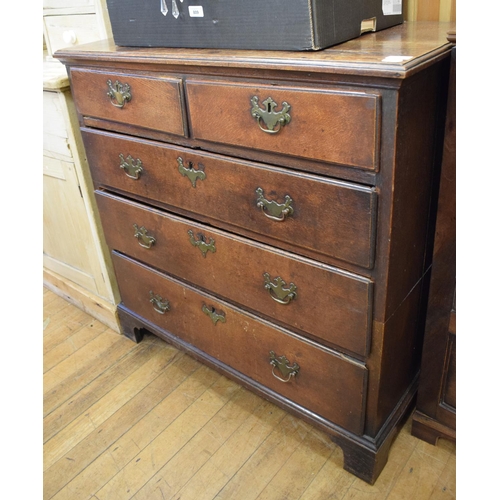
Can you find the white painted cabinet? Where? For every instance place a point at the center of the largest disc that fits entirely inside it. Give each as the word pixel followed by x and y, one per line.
pixel 76 259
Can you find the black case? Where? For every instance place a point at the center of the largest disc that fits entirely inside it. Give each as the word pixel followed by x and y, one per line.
pixel 247 24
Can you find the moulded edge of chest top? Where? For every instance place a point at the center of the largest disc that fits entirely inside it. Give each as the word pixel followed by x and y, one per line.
pixel 389 55
pixel 271 75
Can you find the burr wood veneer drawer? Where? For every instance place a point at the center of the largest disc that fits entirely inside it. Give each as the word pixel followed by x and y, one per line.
pixel 321 301
pixel 143 101
pixel 317 378
pixel 332 126
pixel 339 218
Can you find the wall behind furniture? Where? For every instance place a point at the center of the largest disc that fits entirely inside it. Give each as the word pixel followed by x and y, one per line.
pixel 430 10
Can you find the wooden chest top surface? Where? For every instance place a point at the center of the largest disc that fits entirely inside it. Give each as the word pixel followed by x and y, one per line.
pixel 394 53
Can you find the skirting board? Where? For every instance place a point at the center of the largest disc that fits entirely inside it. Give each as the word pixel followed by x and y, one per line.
pixel 96 306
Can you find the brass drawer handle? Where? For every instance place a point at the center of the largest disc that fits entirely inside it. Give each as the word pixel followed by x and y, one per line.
pixel 160 305
pixel 283 366
pixel 143 238
pixel 132 168
pixel 119 93
pixel 201 243
pixel 271 118
pixel 213 314
pixel 272 209
pixel 189 172
pixel 278 291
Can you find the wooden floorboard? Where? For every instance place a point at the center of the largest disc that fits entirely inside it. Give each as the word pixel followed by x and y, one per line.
pixel 145 421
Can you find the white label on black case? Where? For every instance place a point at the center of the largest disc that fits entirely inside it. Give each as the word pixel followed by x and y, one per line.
pixel 392 7
pixel 196 11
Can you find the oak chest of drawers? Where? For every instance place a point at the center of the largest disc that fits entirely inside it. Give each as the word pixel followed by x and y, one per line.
pixel 269 213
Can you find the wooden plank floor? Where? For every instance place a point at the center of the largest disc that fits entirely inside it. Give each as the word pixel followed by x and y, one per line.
pixel 145 422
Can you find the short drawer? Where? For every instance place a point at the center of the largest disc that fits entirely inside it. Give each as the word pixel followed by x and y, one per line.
pixel 339 218
pixel 143 101
pixel 321 301
pixel 332 126
pixel 317 379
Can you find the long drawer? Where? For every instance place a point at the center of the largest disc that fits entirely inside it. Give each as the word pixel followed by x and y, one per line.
pixel 152 102
pixel 334 126
pixel 324 216
pixel 319 300
pixel 313 377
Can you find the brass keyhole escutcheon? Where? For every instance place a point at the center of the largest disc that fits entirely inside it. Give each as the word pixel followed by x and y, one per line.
pixel 189 172
pixel 213 314
pixel 274 120
pixel 202 243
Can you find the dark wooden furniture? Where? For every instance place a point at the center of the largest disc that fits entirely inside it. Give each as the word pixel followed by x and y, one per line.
pixel 268 213
pixel 435 415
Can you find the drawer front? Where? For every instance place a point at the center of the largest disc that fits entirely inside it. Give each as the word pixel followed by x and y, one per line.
pixel 316 299
pixel 325 383
pixel 65 31
pixel 330 126
pixel 143 101
pixel 338 217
